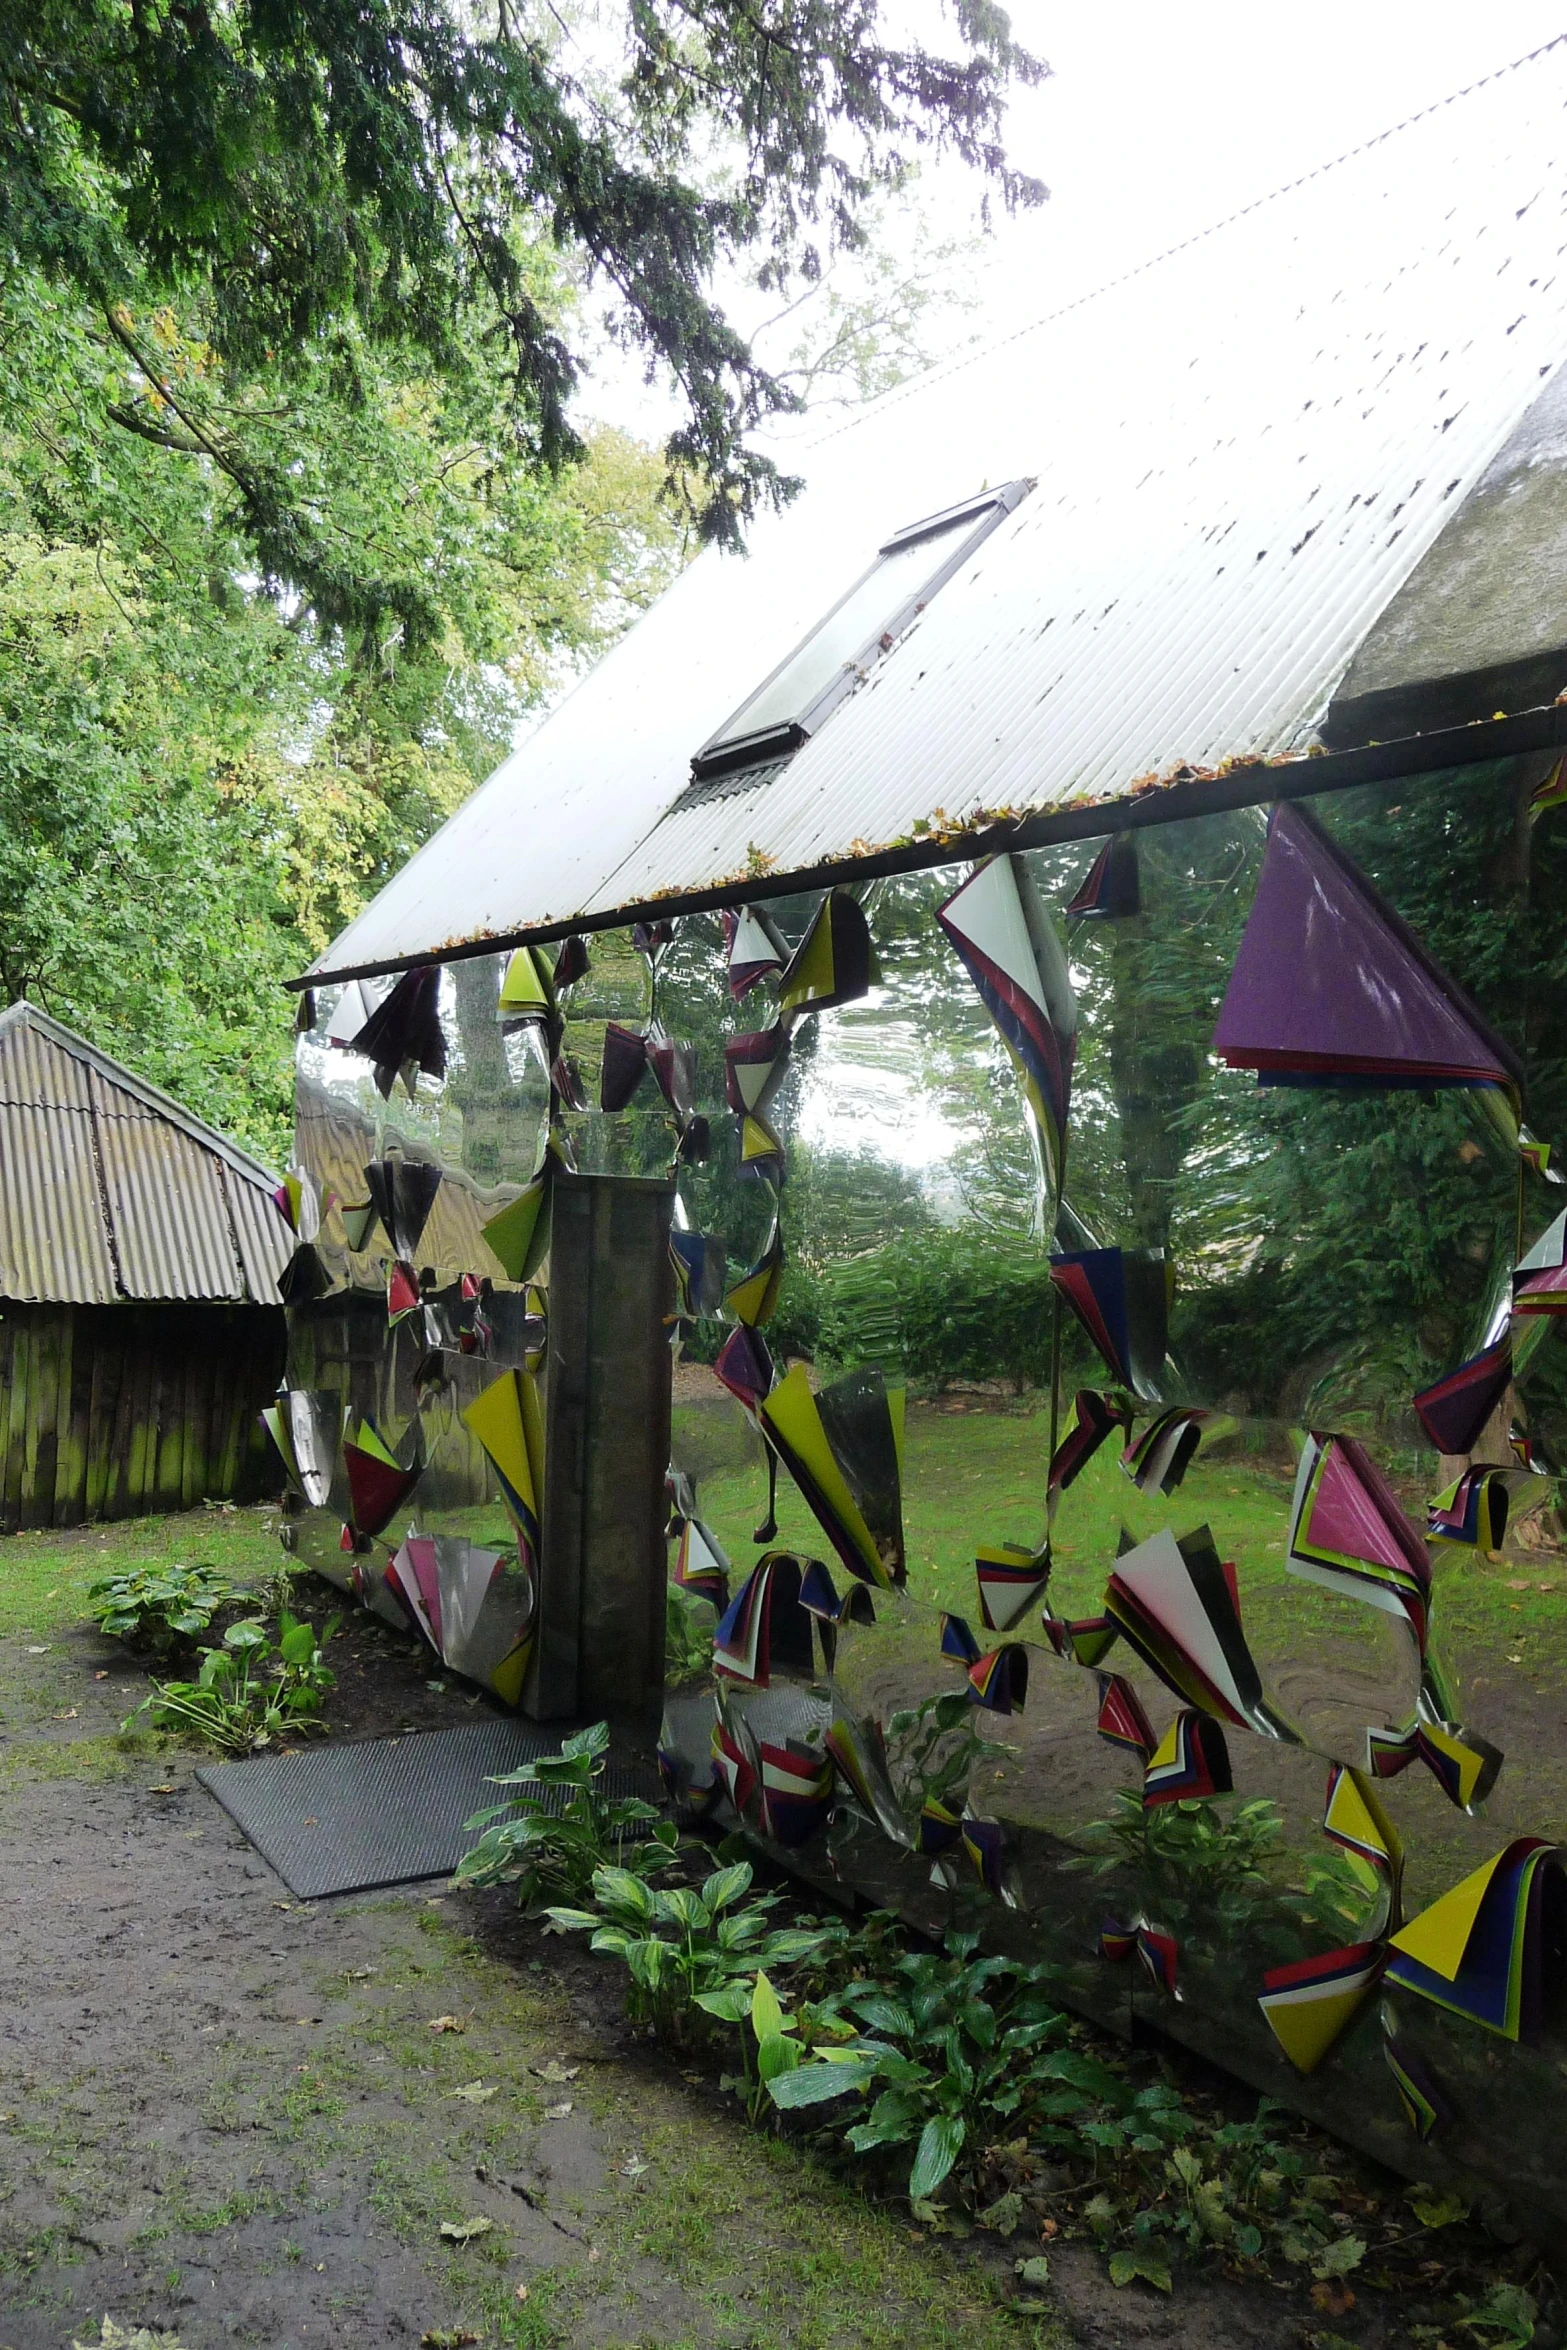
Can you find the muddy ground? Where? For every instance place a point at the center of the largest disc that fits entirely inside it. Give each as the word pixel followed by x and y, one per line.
pixel 248 2120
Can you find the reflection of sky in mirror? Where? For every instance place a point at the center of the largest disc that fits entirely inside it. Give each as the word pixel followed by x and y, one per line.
pixel 869 1090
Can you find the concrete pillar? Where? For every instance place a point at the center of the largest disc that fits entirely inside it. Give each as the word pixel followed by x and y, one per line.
pixel 602 1571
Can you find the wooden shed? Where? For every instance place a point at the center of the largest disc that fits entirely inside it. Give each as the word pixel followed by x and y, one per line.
pixel 140 1327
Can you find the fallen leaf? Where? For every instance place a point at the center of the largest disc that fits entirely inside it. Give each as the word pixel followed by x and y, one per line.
pixel 68 1716
pixel 359 1974
pixel 475 2092
pixel 103 1676
pixel 447 2023
pixel 117 2337
pixel 1515 1587
pixel 557 2113
pixel 559 2072
pixel 1332 2297
pixel 163 1791
pixel 41 1650
pixel 311 1823
pixel 282 1905
pixel 522 2290
pixel 1034 2272
pixel 462 2231
pixel 594 2253
pixel 1433 2210
pixel 448 2338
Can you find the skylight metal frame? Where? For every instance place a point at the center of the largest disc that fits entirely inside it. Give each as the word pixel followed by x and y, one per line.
pixel 726 755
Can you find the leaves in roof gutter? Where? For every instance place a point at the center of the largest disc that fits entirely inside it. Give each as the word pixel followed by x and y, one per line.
pixel 1162 797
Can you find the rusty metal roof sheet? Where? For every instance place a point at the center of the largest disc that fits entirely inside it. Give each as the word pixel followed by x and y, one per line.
pixel 109 1190
pixel 1241 452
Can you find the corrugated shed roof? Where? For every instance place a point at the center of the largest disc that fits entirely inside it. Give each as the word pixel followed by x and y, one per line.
pixel 1241 452
pixel 109 1190
pixel 336 1142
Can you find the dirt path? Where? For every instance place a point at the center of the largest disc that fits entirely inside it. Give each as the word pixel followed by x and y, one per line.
pixel 230 2115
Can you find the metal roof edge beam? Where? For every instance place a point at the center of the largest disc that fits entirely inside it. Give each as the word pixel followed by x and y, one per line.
pixel 1242 783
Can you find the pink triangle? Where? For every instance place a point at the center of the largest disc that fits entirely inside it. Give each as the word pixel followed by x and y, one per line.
pixel 1357 1515
pixel 1329 982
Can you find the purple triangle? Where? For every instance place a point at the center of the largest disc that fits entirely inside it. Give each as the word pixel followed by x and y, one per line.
pixel 1329 986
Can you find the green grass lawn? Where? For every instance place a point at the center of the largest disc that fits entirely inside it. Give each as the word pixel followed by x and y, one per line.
pixel 45 1577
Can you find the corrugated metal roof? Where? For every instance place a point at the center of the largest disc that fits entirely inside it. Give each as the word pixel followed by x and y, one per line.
pixel 109 1190
pixel 1242 451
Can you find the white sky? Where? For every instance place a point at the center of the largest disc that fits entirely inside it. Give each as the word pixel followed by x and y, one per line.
pixel 1158 121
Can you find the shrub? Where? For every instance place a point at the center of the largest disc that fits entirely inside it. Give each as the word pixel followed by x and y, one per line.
pixel 963 1306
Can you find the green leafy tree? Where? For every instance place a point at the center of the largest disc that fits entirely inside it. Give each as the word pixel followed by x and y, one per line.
pixel 326 190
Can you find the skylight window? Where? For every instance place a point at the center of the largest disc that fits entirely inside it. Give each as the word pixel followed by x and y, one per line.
pixel 787 708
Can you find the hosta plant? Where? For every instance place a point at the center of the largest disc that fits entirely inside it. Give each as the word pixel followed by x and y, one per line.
pixel 158 1607
pixel 550 1838
pixel 682 1944
pixel 251 1690
pixel 957 2046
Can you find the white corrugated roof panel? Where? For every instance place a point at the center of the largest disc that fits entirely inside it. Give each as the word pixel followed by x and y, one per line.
pixel 1241 452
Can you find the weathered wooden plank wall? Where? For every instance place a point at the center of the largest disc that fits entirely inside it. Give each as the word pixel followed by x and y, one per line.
pixel 120 1411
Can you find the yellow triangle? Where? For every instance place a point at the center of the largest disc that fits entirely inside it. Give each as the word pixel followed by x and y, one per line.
pixel 511 1672
pixel 525 988
pixel 1470 1765
pixel 371 1441
pixel 1439 1936
pixel 272 1421
pixel 897 1401
pixel 1167 1752
pixel 754 1298
pixel 1306 2028
pixel 497 1419
pixel 1354 1812
pixel 791 1409
pixel 518 1237
pixel 757 1141
pixel 811 974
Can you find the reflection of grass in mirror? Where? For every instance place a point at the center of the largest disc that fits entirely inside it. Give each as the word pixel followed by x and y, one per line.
pixel 978 1476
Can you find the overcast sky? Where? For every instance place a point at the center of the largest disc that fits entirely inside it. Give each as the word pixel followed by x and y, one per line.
pixel 1158 121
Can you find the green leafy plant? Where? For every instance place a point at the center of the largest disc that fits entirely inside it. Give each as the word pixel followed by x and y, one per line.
pixel 932 1750
pixel 689 1624
pixel 772 2040
pixel 251 1690
pixel 959 2045
pixel 1197 1864
pixel 157 1607
pixel 682 1945
pixel 550 1840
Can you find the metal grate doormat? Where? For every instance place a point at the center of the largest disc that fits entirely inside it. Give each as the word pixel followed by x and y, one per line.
pixel 381 1811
